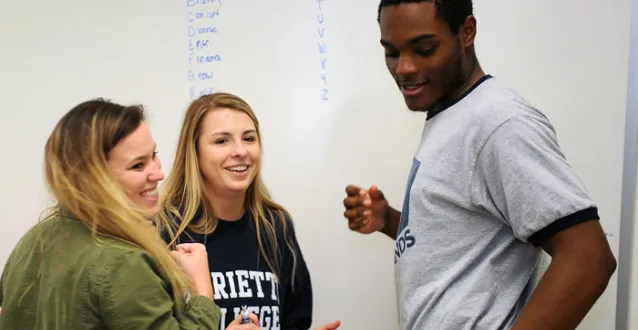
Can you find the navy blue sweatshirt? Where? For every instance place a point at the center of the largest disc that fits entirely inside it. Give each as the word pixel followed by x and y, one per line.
pixel 241 276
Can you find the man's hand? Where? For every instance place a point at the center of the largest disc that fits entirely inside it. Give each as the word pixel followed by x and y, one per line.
pixel 366 211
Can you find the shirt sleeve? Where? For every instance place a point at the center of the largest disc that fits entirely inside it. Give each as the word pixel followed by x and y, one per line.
pixel 299 301
pixel 522 177
pixel 133 295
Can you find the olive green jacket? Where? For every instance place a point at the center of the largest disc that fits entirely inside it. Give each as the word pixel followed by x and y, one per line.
pixel 60 278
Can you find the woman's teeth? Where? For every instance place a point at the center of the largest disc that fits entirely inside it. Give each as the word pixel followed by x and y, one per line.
pixel 150 194
pixel 238 168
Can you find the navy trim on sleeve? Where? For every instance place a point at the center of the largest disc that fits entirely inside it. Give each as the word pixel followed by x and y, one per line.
pixel 561 224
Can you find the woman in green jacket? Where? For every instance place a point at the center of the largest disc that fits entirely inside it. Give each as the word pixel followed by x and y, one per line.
pixel 94 262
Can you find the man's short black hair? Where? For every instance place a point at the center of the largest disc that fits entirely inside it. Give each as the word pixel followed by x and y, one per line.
pixel 453 12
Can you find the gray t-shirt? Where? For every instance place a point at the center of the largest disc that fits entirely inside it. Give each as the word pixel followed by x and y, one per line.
pixel 488 184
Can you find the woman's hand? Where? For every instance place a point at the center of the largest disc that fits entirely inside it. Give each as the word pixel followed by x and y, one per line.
pixel 193 259
pixel 330 326
pixel 236 324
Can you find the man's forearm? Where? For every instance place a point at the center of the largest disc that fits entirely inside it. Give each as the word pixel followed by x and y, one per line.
pixel 392 223
pixel 565 294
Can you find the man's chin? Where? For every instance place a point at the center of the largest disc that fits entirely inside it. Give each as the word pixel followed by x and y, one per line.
pixel 422 102
pixel 417 106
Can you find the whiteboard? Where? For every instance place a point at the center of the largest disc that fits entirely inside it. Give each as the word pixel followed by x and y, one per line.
pixel 314 72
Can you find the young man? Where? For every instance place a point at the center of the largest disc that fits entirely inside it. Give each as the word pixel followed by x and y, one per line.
pixel 489 187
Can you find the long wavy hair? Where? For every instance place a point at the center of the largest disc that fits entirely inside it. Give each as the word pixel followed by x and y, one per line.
pixel 78 176
pixel 185 197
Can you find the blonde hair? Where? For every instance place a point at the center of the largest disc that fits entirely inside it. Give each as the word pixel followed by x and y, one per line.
pixel 184 196
pixel 78 176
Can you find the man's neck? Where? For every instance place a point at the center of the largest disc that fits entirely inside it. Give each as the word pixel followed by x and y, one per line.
pixel 470 78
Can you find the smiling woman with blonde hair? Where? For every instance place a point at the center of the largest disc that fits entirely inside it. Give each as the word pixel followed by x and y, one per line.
pixel 94 261
pixel 215 195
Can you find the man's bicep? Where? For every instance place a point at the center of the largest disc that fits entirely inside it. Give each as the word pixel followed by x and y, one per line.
pixel 577 239
pixel 522 172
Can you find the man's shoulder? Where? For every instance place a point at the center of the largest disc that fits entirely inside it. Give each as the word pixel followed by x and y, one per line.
pixel 497 103
pixel 506 113
pixel 487 109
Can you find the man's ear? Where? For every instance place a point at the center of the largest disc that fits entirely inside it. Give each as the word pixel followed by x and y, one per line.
pixel 467 31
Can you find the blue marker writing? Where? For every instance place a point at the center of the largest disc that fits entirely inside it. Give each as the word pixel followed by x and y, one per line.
pixel 322 50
